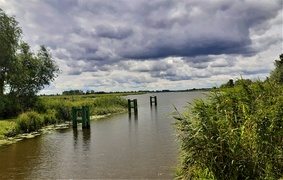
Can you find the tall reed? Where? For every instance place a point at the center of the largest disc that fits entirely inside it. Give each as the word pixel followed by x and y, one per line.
pixel 234 134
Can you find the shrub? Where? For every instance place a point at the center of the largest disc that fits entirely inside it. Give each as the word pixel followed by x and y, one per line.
pixel 235 134
pixel 50 117
pixel 109 104
pixel 29 121
pixel 7 128
pixel 9 107
pixel 59 109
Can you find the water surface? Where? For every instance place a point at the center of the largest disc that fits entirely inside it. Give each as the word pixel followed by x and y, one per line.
pixel 139 146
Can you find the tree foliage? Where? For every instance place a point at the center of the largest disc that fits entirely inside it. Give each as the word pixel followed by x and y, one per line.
pixel 277 74
pixel 33 71
pixel 10 35
pixel 73 92
pixel 229 84
pixel 22 73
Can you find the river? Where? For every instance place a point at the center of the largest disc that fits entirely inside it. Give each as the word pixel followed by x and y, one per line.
pixel 141 146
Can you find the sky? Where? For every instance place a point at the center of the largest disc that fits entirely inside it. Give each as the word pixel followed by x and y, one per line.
pixel 132 45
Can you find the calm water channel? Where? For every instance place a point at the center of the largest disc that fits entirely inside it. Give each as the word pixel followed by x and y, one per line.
pixel 118 147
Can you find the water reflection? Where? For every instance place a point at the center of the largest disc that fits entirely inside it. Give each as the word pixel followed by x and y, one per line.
pixel 86 136
pixel 75 135
pixel 153 110
pixel 133 115
pixel 86 139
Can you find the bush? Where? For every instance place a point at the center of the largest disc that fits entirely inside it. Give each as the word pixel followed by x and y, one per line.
pixel 29 121
pixel 235 134
pixel 7 128
pixel 50 117
pixel 9 107
pixel 59 109
pixel 109 104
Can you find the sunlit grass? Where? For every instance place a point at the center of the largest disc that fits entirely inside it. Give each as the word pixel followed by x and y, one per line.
pixel 7 126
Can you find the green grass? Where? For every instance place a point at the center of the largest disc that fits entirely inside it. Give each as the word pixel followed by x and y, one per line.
pixel 6 127
pixel 57 109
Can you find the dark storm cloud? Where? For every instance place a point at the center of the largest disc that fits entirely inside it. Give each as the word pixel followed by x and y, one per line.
pixel 138 38
pixel 110 31
pixel 188 48
pixel 203 29
pixel 159 28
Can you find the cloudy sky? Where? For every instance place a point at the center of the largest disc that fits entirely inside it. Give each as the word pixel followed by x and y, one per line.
pixel 125 45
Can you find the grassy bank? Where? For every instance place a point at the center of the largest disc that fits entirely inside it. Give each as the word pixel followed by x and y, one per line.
pixel 6 127
pixel 55 110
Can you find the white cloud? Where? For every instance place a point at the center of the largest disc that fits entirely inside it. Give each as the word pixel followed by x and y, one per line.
pixel 161 44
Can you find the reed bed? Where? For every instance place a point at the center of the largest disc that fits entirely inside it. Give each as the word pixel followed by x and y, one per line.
pixel 236 133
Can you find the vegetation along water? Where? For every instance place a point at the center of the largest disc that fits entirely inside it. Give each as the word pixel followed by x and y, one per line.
pixel 55 110
pixel 237 133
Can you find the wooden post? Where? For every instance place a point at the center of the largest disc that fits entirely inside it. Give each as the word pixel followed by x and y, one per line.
pixel 129 106
pixel 74 117
pixel 85 117
pixel 153 99
pixel 133 104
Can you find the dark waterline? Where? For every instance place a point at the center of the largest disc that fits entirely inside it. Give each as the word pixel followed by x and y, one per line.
pixel 119 147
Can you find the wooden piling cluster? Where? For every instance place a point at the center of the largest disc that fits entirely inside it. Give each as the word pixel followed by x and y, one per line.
pixel 133 104
pixel 153 99
pixel 85 117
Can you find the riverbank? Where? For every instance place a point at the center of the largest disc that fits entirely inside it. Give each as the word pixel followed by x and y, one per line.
pixel 4 140
pixel 52 113
pixel 44 130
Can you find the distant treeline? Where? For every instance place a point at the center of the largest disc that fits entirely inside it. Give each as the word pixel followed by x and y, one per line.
pixel 81 92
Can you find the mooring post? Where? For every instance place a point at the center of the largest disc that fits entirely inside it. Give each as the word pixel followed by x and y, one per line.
pixel 74 117
pixel 133 104
pixel 129 106
pixel 87 117
pixel 83 116
pixel 153 99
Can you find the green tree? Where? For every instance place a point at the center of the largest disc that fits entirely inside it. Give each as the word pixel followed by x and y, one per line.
pixel 243 81
pixel 229 84
pixel 277 74
pixel 10 35
pixel 33 71
pixel 22 73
